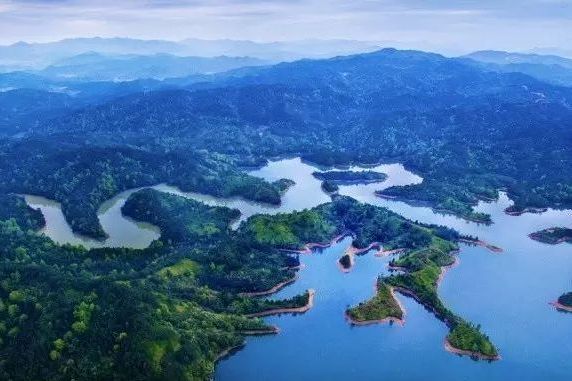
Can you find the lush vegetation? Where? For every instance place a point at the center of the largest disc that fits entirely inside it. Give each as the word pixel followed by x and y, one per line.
pixel 345 261
pixel 329 187
pixel 291 230
pixel 180 219
pixel 553 236
pixel 82 177
pixel 466 336
pixel 15 207
pixel 344 215
pixel 68 313
pixel 566 299
pixel 428 249
pixel 383 305
pixel 350 177
pixel 165 312
pixel 442 198
pixel 420 280
pixel 500 134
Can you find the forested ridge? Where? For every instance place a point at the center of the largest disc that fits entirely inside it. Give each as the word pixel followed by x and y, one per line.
pixel 81 176
pixel 468 131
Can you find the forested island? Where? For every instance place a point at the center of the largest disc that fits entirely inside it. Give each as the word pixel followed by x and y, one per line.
pixel 329 187
pixel 564 302
pixel 449 205
pixel 553 236
pixel 350 177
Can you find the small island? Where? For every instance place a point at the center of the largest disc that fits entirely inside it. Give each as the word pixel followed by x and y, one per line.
pixel 351 177
pixel 564 302
pixel 383 307
pixel 553 236
pixel 346 262
pixel 329 187
pixel 283 185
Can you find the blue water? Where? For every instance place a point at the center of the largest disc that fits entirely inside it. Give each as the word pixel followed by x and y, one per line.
pixel 507 293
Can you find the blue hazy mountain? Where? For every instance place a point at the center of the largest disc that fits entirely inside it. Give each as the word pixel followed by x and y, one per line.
pixel 507 58
pixel 98 67
pixel 418 107
pixel 28 56
pixel 550 68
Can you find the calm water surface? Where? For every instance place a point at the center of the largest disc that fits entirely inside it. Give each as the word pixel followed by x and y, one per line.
pixel 506 293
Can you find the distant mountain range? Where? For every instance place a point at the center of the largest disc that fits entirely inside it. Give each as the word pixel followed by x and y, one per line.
pixel 468 127
pixel 98 67
pixel 549 68
pixel 37 56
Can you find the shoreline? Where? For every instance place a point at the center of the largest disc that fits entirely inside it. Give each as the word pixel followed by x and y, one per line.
pixel 486 245
pixel 538 237
pixel 385 253
pixel 525 210
pixel 389 319
pixel 356 251
pixel 291 310
pixel 448 346
pixel 273 290
pixel 463 352
pixel 308 247
pixel 445 269
pixel 429 204
pixel 271 330
pixel 561 307
pixel 352 251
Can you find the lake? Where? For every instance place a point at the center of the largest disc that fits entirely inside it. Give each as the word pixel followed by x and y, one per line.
pixel 507 293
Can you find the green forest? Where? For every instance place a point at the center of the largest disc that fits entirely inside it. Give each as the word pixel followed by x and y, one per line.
pixel 169 310
pixel 383 305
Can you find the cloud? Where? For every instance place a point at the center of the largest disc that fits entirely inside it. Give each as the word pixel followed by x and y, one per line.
pixel 438 24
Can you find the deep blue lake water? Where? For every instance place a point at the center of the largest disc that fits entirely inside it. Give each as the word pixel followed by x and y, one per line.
pixel 507 293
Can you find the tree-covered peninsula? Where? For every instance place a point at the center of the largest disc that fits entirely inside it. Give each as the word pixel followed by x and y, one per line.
pixel 382 307
pixel 166 312
pixel 81 176
pixel 422 270
pixel 350 177
pixel 427 251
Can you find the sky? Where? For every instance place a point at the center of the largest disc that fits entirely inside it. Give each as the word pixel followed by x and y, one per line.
pixel 463 25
